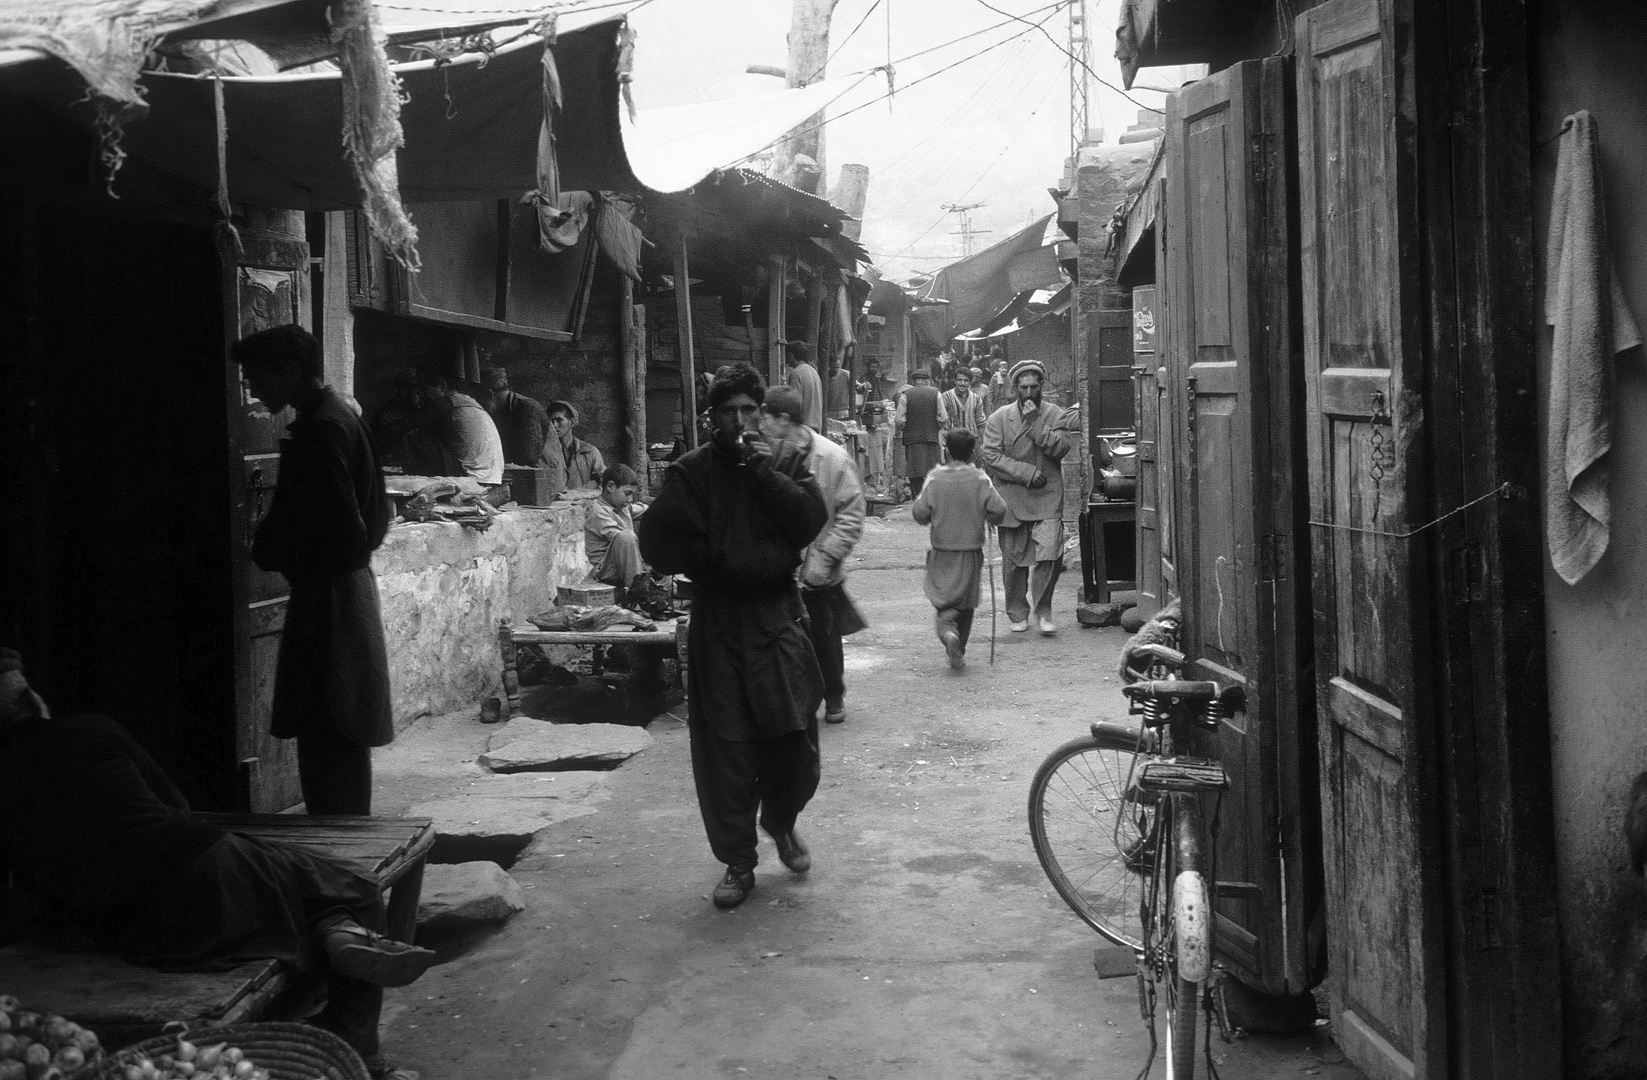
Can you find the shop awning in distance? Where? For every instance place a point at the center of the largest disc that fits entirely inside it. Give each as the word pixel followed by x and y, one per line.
pixel 471 121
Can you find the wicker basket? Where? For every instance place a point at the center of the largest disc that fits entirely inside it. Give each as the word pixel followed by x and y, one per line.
pixel 287 1051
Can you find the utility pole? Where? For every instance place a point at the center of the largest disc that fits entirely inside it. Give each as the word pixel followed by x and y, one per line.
pixel 966 232
pixel 1078 116
pixel 808 52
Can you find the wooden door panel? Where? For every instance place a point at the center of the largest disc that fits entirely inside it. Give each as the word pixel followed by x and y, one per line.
pixel 1365 420
pixel 269 287
pixel 1228 318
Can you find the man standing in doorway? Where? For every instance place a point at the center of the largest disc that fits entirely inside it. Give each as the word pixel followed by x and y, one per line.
pixel 523 425
pixel 804 378
pixel 328 514
pixel 584 464
pixel 1024 441
pixel 921 419
pixel 823 564
pixel 838 392
pixel 735 516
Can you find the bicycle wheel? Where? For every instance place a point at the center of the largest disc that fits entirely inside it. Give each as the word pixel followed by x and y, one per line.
pixel 1183 1004
pixel 1085 830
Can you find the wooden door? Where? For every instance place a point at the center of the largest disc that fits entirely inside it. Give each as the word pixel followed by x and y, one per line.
pixel 268 285
pixel 1146 408
pixel 1365 420
pixel 1235 368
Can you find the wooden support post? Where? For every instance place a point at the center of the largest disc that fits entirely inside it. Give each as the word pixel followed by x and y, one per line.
pixel 511 676
pixel 634 382
pixel 639 355
pixel 777 289
pixel 683 334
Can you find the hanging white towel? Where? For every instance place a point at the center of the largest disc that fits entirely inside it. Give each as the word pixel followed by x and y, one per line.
pixel 1593 324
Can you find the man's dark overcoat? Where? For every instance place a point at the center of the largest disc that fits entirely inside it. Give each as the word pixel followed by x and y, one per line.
pixel 329 513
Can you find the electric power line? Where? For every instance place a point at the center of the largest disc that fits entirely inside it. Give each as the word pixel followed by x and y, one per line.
pixel 1004 148
pixel 836 50
pixel 798 132
pixel 1096 77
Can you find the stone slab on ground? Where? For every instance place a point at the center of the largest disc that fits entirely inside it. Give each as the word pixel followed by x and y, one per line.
pixel 1101 614
pixel 535 746
pixel 494 817
pixel 464 895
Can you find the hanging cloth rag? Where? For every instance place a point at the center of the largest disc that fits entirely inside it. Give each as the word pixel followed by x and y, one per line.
pixel 617 235
pixel 1593 324
pixel 560 231
pixel 371 125
pixel 552 211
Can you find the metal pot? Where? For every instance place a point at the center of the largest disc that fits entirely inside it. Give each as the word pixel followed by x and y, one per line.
pixel 1123 451
pixel 1118 487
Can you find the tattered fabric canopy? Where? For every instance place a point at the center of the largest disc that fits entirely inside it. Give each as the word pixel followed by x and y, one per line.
pixel 471 121
pixel 975 287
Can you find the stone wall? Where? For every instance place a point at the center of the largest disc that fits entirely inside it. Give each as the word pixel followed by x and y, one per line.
pixel 444 588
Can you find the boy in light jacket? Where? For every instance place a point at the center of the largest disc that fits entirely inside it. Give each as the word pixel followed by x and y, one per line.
pixel 956 501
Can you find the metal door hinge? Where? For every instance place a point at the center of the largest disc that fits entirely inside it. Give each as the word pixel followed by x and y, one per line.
pixel 1467 574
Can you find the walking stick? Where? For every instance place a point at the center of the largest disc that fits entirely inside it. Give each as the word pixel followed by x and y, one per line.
pixel 989 560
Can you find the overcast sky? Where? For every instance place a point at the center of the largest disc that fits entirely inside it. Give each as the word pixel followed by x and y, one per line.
pixel 993 129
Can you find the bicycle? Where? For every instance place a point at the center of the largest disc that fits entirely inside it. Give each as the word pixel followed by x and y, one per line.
pixel 1117 822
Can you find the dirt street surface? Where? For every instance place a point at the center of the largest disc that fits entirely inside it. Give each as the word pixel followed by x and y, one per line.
pixel 926 941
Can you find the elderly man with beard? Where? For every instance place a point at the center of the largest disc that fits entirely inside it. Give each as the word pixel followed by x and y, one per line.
pixel 735 517
pixel 1024 441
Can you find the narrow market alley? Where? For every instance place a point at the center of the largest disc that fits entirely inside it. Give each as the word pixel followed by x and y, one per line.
pixel 926 941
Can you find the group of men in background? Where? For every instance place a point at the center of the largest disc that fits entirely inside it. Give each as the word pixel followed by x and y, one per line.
pixel 431 426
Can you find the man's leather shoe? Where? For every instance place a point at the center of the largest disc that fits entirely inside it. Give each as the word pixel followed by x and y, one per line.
pixel 955 650
pixel 362 954
pixel 734 888
pixel 1018 627
pixel 792 853
pixel 835 711
pixel 1048 627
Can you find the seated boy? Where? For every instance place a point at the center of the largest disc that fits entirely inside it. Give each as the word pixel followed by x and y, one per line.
pixel 956 501
pixel 609 529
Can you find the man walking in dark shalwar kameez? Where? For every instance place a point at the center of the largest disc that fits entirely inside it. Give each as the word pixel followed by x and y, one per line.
pixel 329 513
pixel 734 516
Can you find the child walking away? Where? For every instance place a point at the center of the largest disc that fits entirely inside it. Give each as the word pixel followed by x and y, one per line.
pixel 956 501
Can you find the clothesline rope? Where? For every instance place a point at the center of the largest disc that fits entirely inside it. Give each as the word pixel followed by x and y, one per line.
pixel 1505 490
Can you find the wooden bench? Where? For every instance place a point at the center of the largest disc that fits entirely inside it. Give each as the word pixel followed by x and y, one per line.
pixel 669 632
pixel 124 1003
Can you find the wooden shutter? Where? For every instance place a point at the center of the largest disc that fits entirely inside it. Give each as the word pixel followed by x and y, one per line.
pixel 1365 419
pixel 1234 369
pixel 1147 411
pixel 267 285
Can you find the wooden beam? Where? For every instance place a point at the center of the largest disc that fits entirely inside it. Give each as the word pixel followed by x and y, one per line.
pixel 776 305
pixel 683 335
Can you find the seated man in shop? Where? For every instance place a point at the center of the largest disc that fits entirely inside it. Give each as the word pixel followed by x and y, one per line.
pixel 584 465
pixel 95 827
pixel 523 425
pixel 408 436
pixel 463 426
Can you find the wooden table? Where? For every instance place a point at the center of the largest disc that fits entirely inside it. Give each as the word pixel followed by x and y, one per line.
pixel 668 632
pixel 390 851
pixel 1102 516
pixel 124 1003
